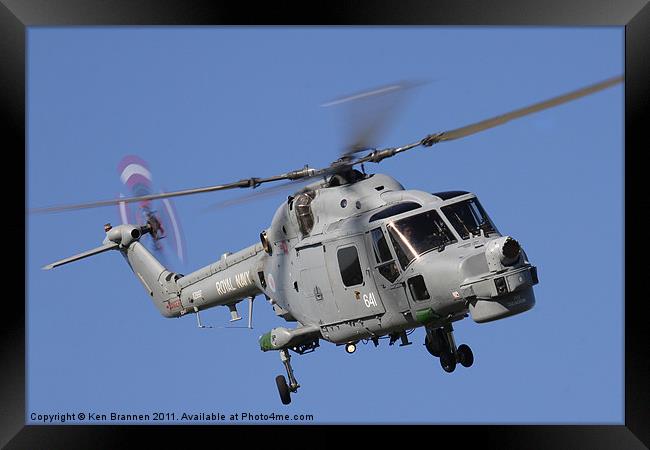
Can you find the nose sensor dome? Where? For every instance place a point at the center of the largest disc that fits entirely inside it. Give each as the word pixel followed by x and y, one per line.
pixel 511 249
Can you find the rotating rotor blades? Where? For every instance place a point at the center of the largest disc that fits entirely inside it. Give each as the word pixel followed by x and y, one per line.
pixel 379 155
pixel 295 185
pixel 366 115
pixel 245 183
pixel 503 118
pixel 288 186
pixel 347 161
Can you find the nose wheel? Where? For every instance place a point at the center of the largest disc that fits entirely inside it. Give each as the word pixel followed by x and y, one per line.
pixel 440 343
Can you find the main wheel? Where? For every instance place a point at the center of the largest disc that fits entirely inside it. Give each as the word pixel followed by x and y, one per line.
pixel 448 362
pixel 465 355
pixel 283 389
pixel 432 345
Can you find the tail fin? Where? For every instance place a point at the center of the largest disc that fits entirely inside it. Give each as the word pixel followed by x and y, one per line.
pixel 82 255
pixel 159 282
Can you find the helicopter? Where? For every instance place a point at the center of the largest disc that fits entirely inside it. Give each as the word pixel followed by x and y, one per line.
pixel 349 257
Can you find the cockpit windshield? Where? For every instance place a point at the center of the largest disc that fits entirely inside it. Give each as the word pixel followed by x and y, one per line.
pixel 414 235
pixel 468 217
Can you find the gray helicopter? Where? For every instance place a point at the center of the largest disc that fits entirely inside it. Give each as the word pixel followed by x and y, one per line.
pixel 351 256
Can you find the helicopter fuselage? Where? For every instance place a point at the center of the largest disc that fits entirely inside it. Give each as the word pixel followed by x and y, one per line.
pixel 364 259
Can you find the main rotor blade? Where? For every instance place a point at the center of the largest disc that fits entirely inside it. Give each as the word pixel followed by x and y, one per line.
pixel 132 199
pixel 287 187
pixel 379 155
pixel 245 183
pixel 366 115
pixel 503 118
pixel 297 185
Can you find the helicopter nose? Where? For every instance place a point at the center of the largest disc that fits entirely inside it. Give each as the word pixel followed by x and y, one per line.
pixel 498 282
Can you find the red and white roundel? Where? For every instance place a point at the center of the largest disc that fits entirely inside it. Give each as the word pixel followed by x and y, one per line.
pixel 271 282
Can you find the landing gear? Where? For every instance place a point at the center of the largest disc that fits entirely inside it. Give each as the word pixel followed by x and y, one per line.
pixel 350 348
pixel 434 341
pixel 448 362
pixel 465 355
pixel 440 343
pixel 285 389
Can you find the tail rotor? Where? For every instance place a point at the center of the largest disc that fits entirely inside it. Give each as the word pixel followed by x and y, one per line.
pixel 159 215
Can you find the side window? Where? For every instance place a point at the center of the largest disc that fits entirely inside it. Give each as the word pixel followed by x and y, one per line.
pixel 387 268
pixel 389 271
pixel 380 246
pixel 349 265
pixel 418 288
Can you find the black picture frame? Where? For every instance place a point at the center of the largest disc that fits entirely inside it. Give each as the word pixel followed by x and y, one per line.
pixel 17 15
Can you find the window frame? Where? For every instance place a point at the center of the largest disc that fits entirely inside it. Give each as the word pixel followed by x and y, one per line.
pixel 375 248
pixel 375 253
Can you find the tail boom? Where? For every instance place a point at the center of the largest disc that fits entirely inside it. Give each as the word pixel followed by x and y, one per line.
pixel 226 282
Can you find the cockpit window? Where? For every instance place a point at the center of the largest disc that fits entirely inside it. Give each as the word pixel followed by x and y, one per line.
pixel 415 235
pixel 468 217
pixel 394 210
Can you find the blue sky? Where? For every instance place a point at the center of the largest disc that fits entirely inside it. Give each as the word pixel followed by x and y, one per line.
pixel 211 105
